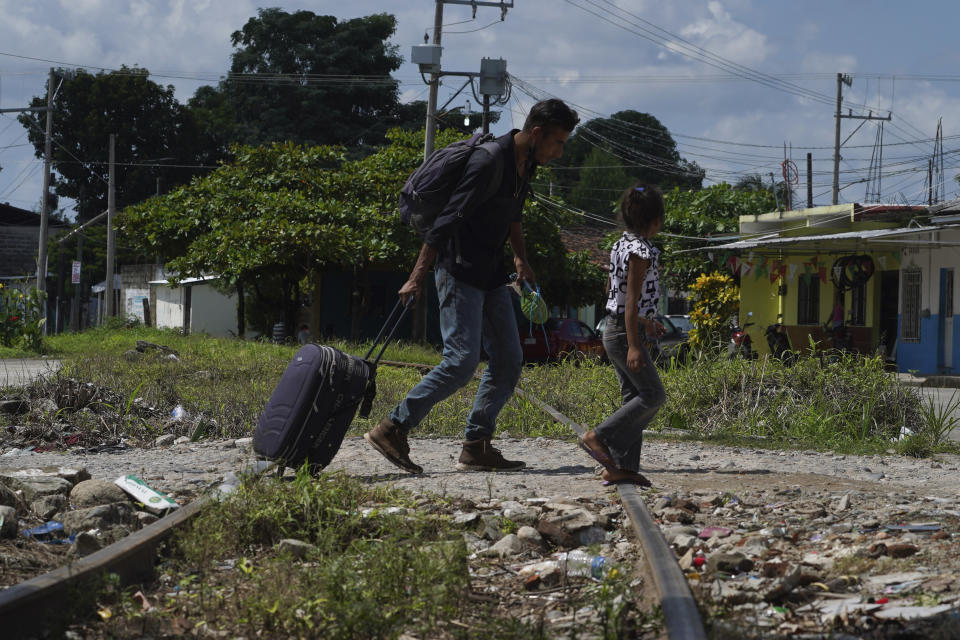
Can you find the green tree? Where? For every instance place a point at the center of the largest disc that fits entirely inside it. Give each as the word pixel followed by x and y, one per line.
pixel 152 130
pixel 285 212
pixel 637 143
pixel 713 212
pixel 309 79
pixel 601 183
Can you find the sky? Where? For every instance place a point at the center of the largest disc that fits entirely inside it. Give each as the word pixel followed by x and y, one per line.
pixel 735 81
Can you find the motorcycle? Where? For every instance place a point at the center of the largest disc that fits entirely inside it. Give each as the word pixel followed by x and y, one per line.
pixel 741 344
pixel 779 343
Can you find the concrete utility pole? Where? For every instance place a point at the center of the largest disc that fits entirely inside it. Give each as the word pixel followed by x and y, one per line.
pixel 434 86
pixel 45 202
pixel 434 64
pixel 111 237
pixel 844 79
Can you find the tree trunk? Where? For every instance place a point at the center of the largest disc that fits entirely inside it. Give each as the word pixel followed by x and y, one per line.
pixel 241 312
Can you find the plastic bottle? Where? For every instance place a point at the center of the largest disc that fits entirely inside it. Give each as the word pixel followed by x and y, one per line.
pixel 179 413
pixel 580 563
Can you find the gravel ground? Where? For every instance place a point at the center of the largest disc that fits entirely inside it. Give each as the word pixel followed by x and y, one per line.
pixel 553 468
pixel 756 531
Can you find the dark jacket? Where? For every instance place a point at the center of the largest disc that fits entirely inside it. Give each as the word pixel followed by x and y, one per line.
pixel 469 234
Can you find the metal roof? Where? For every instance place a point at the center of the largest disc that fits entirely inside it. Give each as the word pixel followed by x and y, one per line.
pixel 842 242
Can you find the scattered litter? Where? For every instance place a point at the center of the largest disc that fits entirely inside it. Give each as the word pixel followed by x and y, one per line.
pixel 142 492
pixel 51 532
pixel 709 532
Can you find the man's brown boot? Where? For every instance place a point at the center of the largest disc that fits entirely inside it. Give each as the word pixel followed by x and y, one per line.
pixel 391 442
pixel 480 455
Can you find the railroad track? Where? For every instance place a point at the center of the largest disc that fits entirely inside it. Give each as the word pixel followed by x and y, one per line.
pixel 132 559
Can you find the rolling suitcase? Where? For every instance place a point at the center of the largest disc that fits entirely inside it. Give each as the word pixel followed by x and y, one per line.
pixel 315 401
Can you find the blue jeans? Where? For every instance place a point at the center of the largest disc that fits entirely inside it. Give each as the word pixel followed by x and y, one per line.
pixel 469 318
pixel 642 394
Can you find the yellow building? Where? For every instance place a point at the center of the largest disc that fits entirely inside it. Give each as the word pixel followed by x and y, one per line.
pixel 809 268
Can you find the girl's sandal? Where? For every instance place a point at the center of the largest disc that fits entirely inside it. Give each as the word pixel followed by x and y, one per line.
pixel 600 457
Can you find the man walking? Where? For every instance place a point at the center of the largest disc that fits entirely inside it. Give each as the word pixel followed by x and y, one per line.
pixel 476 313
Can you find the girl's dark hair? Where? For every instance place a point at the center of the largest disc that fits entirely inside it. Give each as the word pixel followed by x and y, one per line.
pixel 551 113
pixel 640 205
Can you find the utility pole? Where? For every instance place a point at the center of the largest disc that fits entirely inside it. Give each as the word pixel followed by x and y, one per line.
pixel 45 202
pixel 810 181
pixel 844 79
pixel 111 237
pixel 429 58
pixel 434 86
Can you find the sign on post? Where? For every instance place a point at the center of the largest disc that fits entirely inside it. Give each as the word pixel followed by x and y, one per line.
pixel 75 277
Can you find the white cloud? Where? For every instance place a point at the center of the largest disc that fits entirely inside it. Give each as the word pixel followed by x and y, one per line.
pixel 721 34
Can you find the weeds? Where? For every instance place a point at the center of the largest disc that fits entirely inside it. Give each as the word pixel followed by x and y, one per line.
pixel 368 573
pixel 851 404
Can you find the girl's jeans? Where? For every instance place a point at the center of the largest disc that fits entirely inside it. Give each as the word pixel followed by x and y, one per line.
pixel 469 318
pixel 642 394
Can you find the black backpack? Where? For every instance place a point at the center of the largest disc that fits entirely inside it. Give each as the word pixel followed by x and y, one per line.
pixel 428 189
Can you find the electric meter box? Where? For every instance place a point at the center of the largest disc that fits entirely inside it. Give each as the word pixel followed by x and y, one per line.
pixel 427 56
pixel 493 76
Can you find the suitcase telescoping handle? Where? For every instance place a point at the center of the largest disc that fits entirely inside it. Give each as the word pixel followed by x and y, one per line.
pixel 367 403
pixel 393 327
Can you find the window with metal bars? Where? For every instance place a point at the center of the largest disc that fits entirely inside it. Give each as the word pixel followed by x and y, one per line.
pixel 910 314
pixel 808 300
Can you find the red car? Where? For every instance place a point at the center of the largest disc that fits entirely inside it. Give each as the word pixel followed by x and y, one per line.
pixel 558 338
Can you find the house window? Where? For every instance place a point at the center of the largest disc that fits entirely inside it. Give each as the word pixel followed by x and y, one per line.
pixel 910 316
pixel 808 300
pixel 858 305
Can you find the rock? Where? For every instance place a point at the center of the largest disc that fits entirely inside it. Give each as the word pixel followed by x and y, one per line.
pixel 790 581
pixel 466 519
pixel 474 543
pixel 243 443
pixel 90 493
pixel 8 522
pixel 508 545
pixel 165 440
pixel 677 515
pixel 686 560
pixel 490 527
pixel 85 543
pixel 145 518
pixel 521 514
pixel 36 486
pixel 46 507
pixel 559 528
pixel 531 537
pixel 728 563
pixel 682 543
pixel 99 517
pixel 8 497
pixel 182 440
pixel 590 535
pixel 844 503
pixel 671 532
pixel 132 354
pixel 296 548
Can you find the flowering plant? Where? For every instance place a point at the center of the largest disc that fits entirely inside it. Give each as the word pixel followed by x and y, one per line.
pixel 21 317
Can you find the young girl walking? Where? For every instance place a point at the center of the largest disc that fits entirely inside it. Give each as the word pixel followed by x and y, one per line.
pixel 633 294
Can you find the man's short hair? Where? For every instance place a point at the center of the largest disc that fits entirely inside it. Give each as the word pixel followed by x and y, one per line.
pixel 552 113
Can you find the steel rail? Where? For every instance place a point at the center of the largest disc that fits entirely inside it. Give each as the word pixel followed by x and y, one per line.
pixel 42 598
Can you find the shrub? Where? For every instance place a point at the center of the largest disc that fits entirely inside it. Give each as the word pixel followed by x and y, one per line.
pixel 715 299
pixel 21 317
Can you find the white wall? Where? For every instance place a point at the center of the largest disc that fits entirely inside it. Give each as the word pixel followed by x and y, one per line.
pixel 212 312
pixel 169 311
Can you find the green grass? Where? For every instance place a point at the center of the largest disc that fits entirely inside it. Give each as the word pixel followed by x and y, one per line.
pixel 853 405
pixel 369 573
